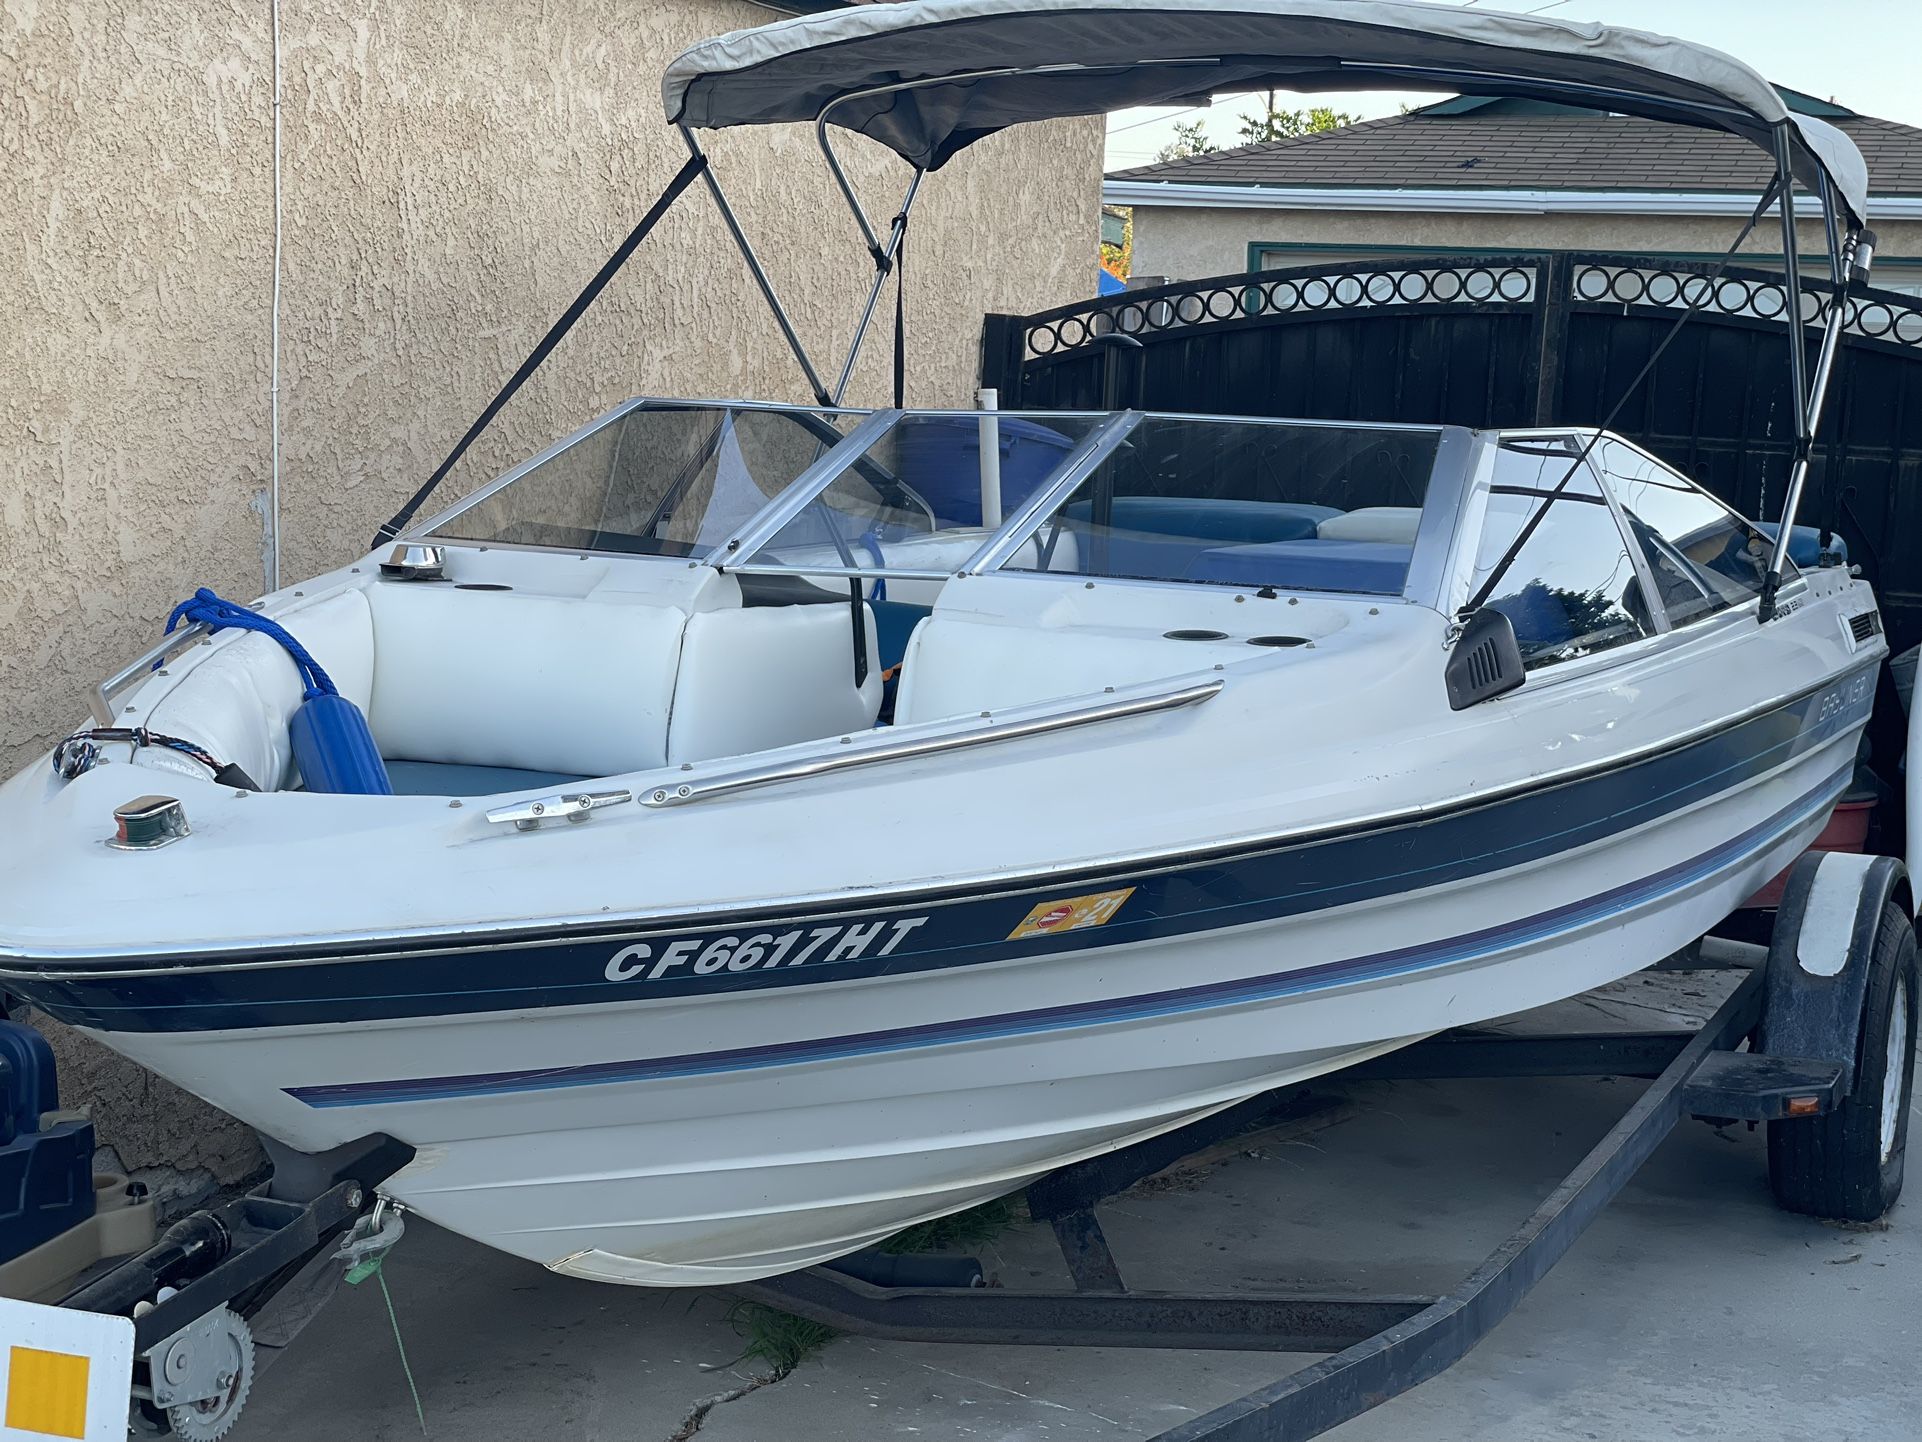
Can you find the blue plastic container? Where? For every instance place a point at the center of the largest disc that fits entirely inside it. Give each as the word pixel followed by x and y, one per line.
pixel 334 749
pixel 941 459
pixel 46 1174
pixel 1805 544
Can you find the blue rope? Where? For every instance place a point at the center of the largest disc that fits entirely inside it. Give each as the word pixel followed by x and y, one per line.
pixel 871 538
pixel 206 609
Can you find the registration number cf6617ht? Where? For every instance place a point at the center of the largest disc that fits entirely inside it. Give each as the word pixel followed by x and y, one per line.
pixel 706 955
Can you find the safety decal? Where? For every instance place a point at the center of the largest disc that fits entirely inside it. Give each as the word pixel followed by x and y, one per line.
pixel 1071 913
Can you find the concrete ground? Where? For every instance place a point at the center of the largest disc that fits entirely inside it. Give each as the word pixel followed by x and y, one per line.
pixel 1692 1308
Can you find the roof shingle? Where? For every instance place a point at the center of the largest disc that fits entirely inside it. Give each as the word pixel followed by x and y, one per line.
pixel 1530 152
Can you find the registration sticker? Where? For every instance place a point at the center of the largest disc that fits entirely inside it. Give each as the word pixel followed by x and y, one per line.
pixel 1071 913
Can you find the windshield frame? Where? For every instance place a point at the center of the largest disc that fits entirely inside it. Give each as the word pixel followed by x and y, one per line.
pixel 1428 570
pixel 761 530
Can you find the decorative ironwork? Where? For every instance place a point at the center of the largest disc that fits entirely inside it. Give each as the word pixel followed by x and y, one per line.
pixel 1876 315
pixel 1491 283
pixel 1497 282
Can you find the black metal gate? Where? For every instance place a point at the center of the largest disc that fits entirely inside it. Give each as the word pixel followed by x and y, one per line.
pixel 1544 338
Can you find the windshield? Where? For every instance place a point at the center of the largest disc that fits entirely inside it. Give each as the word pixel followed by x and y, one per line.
pixel 920 495
pixel 1297 506
pixel 654 480
pixel 925 494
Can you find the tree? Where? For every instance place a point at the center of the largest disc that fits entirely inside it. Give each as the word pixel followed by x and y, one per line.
pixel 1276 124
pixel 1119 260
pixel 1191 138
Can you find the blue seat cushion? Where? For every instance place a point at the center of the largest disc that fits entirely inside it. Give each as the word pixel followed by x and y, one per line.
pixel 1805 543
pixel 1210 520
pixel 1159 537
pixel 1373 567
pixel 894 623
pixel 441 778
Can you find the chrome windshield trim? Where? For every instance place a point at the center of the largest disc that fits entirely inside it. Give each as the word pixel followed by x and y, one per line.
pixel 985 731
pixel 852 573
pixel 1303 422
pixel 1653 600
pixel 765 524
pixel 1185 587
pixel 1451 477
pixel 1033 513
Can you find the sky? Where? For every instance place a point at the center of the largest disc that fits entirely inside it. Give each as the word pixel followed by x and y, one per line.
pixel 1859 53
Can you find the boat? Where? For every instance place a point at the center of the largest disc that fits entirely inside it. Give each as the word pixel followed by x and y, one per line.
pixel 746 829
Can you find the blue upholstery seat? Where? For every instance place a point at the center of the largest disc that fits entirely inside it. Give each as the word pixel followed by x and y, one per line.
pixel 437 778
pixel 894 623
pixel 1160 536
pixel 1805 543
pixel 1374 567
pixel 1214 520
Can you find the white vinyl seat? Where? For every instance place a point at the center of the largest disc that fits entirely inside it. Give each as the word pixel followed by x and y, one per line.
pixel 770 676
pixel 536 683
pixel 960 667
pixel 465 689
pixel 1394 525
pixel 236 703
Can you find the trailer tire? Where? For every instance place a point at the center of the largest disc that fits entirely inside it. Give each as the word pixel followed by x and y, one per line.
pixel 1846 1165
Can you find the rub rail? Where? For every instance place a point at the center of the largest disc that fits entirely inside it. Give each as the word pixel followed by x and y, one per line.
pixel 989 732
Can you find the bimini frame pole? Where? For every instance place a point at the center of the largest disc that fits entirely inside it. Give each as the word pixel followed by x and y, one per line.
pixel 883 267
pixel 883 252
pixel 1844 272
pixel 696 164
pixel 760 274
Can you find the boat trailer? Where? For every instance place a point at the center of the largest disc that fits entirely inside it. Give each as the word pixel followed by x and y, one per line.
pixel 1824 1011
pixel 1806 1008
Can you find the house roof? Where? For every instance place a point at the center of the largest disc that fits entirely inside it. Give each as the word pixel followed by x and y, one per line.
pixel 1474 144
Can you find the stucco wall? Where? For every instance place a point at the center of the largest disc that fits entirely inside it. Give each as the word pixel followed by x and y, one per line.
pixel 452 174
pixel 1189 243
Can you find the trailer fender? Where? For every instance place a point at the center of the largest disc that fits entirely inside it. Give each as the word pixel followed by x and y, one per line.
pixel 1818 965
pixel 1912 777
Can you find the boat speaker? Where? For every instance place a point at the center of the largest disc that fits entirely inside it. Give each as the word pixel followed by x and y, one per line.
pixel 1486 661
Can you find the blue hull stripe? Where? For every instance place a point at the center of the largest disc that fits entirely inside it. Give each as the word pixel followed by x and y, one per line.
pixel 1258 881
pixel 1452 951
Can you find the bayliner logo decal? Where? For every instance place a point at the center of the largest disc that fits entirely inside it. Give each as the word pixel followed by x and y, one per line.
pixel 705 955
pixel 1071 913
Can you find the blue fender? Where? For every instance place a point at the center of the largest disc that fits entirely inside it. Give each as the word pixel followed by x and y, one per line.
pixel 335 750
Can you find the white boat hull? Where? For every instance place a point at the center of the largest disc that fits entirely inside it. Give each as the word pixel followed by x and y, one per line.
pixel 753 1167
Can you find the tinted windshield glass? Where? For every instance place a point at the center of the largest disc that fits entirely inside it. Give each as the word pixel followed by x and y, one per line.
pixel 1705 557
pixel 1298 507
pixel 665 482
pixel 1572 589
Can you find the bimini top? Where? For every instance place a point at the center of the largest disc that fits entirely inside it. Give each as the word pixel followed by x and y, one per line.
pixel 972 67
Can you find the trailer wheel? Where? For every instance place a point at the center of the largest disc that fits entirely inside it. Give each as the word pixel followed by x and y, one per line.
pixel 1847 1165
